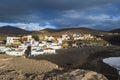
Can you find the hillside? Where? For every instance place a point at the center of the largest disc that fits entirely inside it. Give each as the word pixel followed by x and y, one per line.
pixel 70 31
pixel 115 31
pixel 10 30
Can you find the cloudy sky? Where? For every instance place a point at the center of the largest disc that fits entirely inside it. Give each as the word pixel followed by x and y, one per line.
pixel 39 14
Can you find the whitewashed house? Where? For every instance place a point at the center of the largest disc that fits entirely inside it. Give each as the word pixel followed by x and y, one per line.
pixel 65 37
pixel 37 52
pixel 49 51
pixel 60 41
pixel 50 38
pixel 23 46
pixel 15 52
pixel 3 49
pixel 11 40
pixel 34 43
pixel 29 37
pixel 41 45
pixel 54 46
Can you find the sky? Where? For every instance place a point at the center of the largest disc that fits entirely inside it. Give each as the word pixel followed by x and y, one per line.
pixel 57 14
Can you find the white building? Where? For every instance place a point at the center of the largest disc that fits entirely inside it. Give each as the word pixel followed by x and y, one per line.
pixel 11 40
pixel 51 38
pixel 65 37
pixel 41 45
pixel 29 37
pixel 49 51
pixel 3 49
pixel 15 52
pixel 37 52
pixel 60 40
pixel 54 46
pixel 77 37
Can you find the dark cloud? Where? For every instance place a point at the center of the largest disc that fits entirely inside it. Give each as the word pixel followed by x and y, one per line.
pixel 62 13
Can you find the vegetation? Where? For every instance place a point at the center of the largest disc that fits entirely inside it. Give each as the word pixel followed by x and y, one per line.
pixel 2 38
pixel 36 37
pixel 92 42
pixel 97 42
pixel 113 39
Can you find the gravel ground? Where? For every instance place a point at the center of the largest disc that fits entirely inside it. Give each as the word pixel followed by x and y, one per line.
pixel 21 68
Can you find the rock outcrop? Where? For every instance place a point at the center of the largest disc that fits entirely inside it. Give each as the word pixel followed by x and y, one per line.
pixel 78 74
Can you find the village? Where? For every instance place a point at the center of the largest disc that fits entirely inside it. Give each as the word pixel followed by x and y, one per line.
pixel 44 44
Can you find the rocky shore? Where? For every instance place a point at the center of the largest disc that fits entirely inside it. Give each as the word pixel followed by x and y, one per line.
pixel 75 63
pixel 77 74
pixel 88 58
pixel 21 68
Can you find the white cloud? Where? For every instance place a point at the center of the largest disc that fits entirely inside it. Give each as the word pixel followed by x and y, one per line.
pixel 29 26
pixel 100 17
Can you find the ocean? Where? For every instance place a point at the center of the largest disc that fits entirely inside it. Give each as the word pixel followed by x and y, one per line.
pixel 114 62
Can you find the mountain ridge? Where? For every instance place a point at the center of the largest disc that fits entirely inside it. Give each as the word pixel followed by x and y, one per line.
pixel 8 30
pixel 81 30
pixel 115 30
pixel 11 30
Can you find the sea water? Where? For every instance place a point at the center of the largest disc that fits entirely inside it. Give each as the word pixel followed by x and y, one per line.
pixel 114 62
